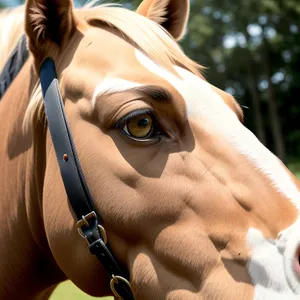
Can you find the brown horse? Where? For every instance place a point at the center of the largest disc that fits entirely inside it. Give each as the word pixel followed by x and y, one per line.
pixel 194 206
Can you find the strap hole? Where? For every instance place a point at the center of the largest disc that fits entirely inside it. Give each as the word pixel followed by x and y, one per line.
pixel 65 157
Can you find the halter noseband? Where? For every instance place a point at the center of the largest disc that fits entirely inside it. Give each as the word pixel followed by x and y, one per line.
pixel 89 225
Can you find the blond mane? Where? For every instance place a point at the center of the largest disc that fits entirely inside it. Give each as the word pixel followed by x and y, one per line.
pixel 11 30
pixel 145 34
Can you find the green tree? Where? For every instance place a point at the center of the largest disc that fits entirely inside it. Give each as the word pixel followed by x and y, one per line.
pixel 251 49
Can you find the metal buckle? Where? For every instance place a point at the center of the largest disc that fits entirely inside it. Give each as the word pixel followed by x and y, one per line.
pixel 84 222
pixel 102 233
pixel 116 280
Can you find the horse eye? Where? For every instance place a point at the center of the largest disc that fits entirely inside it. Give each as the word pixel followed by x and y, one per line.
pixel 139 125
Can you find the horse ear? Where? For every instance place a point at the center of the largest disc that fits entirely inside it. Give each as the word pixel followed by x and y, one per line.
pixel 171 14
pixel 48 24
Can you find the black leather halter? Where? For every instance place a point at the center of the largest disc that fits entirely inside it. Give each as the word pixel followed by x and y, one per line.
pixel 13 65
pixel 89 222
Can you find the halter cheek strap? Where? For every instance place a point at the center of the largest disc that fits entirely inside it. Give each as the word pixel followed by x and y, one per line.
pixel 89 222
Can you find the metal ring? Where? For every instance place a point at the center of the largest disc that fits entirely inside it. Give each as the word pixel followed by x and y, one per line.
pixel 84 222
pixel 81 233
pixel 116 280
pixel 103 234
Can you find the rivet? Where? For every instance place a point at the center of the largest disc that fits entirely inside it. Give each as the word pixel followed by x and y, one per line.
pixel 65 157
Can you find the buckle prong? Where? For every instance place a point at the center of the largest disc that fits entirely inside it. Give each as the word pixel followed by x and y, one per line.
pixel 84 222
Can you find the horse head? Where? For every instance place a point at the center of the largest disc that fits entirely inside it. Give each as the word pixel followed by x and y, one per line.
pixel 193 204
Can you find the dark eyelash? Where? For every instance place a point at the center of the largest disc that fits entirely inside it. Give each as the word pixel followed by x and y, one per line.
pixel 133 114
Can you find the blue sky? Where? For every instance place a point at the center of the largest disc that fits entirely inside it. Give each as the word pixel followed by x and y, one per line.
pixel 12 2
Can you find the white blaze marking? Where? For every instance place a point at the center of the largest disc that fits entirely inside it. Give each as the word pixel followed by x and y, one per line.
pixel 268 268
pixel 112 85
pixel 205 104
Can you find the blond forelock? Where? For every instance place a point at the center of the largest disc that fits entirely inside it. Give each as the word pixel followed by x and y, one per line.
pixel 142 32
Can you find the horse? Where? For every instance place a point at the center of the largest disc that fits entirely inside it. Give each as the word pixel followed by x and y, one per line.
pixel 193 205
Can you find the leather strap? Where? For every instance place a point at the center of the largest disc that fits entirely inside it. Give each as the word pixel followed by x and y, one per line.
pixel 13 65
pixel 75 185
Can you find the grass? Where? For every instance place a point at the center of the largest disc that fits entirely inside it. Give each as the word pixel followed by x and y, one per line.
pixel 68 291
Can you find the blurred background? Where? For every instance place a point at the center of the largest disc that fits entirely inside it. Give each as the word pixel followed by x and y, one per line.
pixel 251 49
